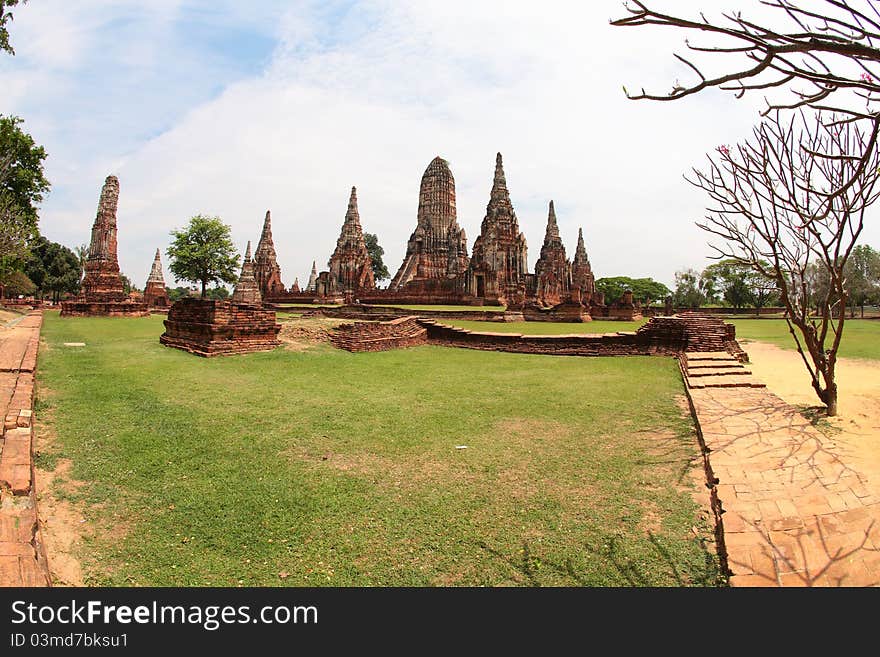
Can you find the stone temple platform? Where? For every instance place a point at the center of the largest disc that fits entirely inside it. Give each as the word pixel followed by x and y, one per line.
pixel 206 327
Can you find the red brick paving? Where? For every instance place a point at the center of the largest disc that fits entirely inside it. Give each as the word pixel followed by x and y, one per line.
pixel 794 512
pixel 22 559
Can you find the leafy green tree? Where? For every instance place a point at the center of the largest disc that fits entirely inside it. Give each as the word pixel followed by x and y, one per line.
pixel 177 293
pixel 645 290
pixel 687 292
pixel 53 268
pixel 5 17
pixel 203 253
pixel 127 286
pixel 380 271
pixel 22 181
pixel 218 293
pixel 17 283
pixel 862 272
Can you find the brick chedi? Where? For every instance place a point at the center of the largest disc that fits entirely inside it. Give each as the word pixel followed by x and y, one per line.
pixel 498 266
pixel 553 270
pixel 312 285
pixel 102 290
pixel 155 292
pixel 247 291
pixel 582 279
pixel 208 327
pixel 437 249
pixel 351 268
pixel 266 269
pixel 295 286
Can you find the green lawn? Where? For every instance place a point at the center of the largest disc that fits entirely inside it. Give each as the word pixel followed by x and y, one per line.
pixel 321 467
pixel 861 337
pixel 545 328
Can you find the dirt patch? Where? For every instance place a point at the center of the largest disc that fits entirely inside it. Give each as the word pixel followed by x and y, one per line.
pixel 299 334
pixel 62 526
pixel 858 423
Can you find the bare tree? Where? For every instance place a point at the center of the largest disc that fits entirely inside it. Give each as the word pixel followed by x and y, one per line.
pixel 824 54
pixel 780 205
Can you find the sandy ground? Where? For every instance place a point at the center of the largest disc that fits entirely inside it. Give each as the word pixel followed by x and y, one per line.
pixel 858 422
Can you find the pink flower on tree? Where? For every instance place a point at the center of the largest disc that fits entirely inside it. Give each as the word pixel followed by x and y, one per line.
pixel 864 77
pixel 724 150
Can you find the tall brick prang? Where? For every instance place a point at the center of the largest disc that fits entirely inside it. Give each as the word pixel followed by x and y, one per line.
pixel 437 249
pixel 351 267
pixel 266 269
pixel 102 291
pixel 312 285
pixel 582 278
pixel 102 281
pixel 553 270
pixel 498 266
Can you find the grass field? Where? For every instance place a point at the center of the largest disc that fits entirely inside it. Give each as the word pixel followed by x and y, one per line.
pixel 861 337
pixel 545 328
pixel 322 467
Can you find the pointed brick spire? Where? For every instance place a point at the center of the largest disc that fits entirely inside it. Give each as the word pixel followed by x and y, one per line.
pixel 102 281
pixel 552 233
pixel 499 184
pixel 580 253
pixel 156 271
pixel 312 285
pixel 581 272
pixel 352 215
pixel 246 290
pixel 351 265
pixel 295 286
pixel 266 270
pixel 155 294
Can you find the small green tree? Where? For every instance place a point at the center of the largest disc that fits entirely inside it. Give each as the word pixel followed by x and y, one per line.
pixel 645 290
pixel 862 272
pixel 380 271
pixel 687 292
pixel 17 283
pixel 218 293
pixel 203 252
pixel 53 268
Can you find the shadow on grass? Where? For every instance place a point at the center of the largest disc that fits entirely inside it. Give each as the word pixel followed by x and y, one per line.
pixel 611 553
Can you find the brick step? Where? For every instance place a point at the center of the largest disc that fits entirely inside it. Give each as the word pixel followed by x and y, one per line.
pixel 717 364
pixel 725 372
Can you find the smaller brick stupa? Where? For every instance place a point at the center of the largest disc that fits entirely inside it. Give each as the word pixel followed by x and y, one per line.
pixel 207 327
pixel 102 291
pixel 155 292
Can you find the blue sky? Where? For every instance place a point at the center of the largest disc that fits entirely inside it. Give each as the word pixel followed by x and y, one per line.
pixel 230 109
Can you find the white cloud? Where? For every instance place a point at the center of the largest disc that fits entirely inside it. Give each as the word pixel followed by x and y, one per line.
pixel 367 95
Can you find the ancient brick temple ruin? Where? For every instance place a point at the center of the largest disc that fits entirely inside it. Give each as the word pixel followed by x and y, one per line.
pixel 247 290
pixel 437 248
pixel 266 269
pixel 436 268
pixel 553 270
pixel 312 285
pixel 498 268
pixel 582 279
pixel 350 266
pixel 155 292
pixel 207 327
pixel 102 290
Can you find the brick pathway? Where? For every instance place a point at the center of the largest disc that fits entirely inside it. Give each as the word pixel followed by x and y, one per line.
pixel 793 512
pixel 22 558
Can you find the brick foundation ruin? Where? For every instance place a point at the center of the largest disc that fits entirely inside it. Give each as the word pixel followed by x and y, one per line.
pixel 207 327
pixel 666 336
